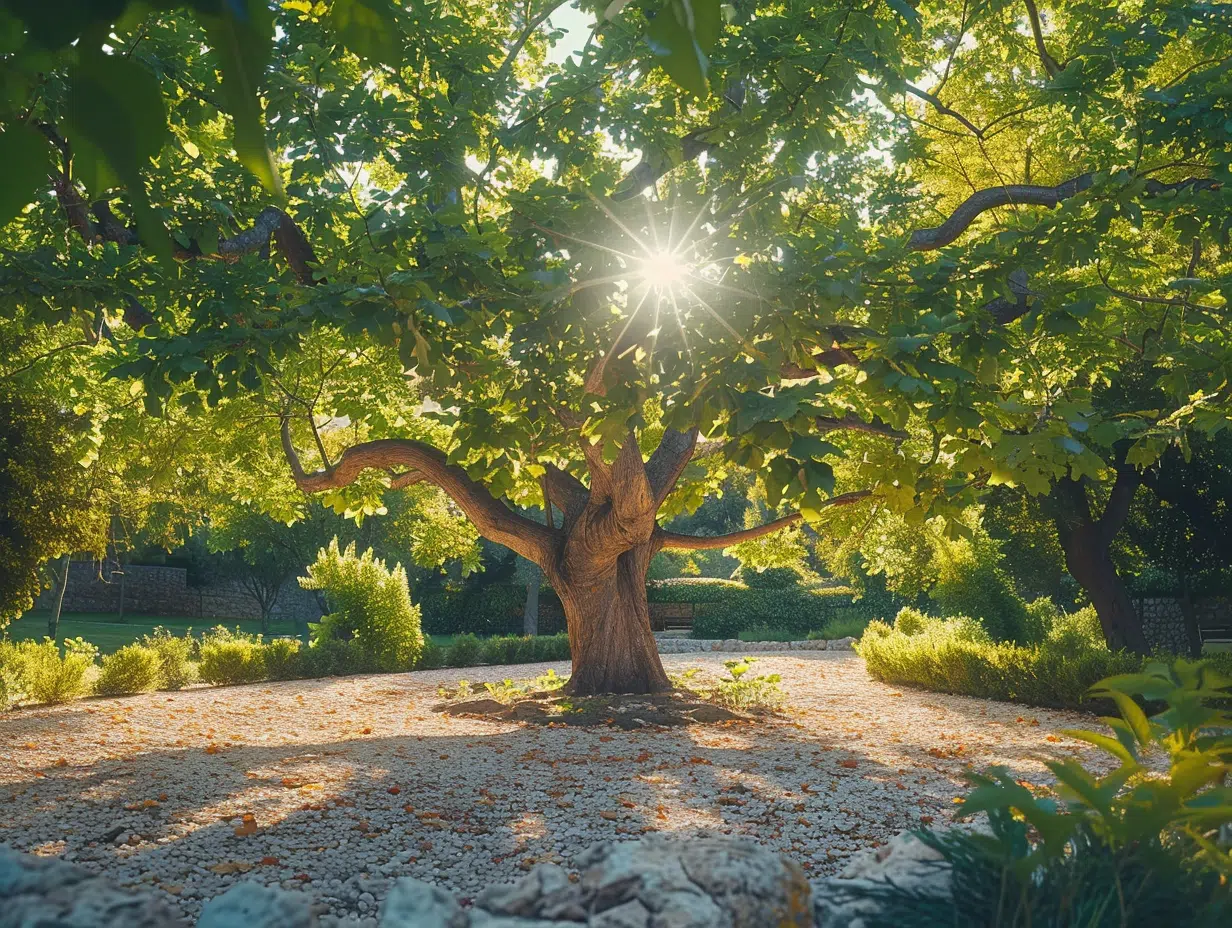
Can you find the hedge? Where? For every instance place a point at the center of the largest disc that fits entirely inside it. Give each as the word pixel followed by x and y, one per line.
pixel 488 610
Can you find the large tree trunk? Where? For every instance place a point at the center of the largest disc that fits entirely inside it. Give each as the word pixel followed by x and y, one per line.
pixel 1087 542
pixel 613 647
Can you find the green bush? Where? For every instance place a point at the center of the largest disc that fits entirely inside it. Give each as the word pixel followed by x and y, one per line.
pixel 134 668
pixel 495 609
pixel 282 659
pixel 771 578
pixel 175 669
pixel 8 673
pixel 957 656
pixel 329 657
pixel 229 657
pixel 1133 843
pixel 552 648
pixel 466 651
pixel 974 583
pixel 38 673
pixel 371 606
pixel 431 657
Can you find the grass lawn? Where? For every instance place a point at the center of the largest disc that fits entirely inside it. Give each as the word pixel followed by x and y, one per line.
pixel 109 633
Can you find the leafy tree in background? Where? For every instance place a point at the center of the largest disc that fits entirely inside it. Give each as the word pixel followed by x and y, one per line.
pixel 880 256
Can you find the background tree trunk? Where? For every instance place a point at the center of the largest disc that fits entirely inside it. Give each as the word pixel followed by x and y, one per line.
pixel 53 623
pixel 1193 637
pixel 530 613
pixel 613 647
pixel 1087 542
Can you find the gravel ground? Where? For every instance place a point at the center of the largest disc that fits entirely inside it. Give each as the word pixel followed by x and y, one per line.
pixel 338 786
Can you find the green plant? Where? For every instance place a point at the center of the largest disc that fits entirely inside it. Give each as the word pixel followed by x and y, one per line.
pixel 772 578
pixel 957 656
pixel 42 675
pixel 431 657
pixel 466 651
pixel 8 673
pixel 230 657
pixel 371 606
pixel 551 648
pixel 737 690
pixel 282 659
pixel 329 657
pixel 134 668
pixel 1134 846
pixel 175 669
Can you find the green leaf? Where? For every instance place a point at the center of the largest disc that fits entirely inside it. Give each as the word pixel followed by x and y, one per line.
pixel 811 448
pixel 682 36
pixel 116 105
pixel 366 28
pixel 26 157
pixel 1111 745
pixel 242 36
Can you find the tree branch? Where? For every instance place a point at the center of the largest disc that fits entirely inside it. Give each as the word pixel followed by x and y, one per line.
pixel 853 423
pixel 494 521
pixel 669 461
pixel 1116 510
pixel 679 542
pixel 566 492
pixel 1049 63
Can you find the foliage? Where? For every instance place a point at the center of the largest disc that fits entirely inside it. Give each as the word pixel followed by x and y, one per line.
pixel 508 690
pixel 330 657
pixel 466 651
pixel 487 609
pixel 175 670
pixel 231 657
pixel 432 656
pixel 1132 847
pixel 525 649
pixel 956 656
pixel 46 506
pixel 738 690
pixel 134 668
pixel 725 609
pixel 972 582
pixel 282 657
pixel 37 672
pixel 371 606
pixel 771 578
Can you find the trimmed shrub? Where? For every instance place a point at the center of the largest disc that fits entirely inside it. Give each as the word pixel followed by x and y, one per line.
pixel 231 657
pixel 552 648
pixel 972 582
pixel 957 656
pixel 8 673
pixel 329 657
pixel 772 578
pixel 522 649
pixel 496 609
pixel 40 674
pixel 466 651
pixel 175 669
pixel 134 668
pixel 371 606
pixel 282 659
pixel 431 657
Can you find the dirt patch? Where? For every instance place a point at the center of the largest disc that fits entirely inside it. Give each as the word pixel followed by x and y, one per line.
pixel 670 710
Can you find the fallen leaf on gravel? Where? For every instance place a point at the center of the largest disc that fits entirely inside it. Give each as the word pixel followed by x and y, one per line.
pixel 292 783
pixel 270 861
pixel 849 764
pixel 248 825
pixel 211 749
pixel 228 867
pixel 60 762
pixel 609 815
pixel 394 790
pixel 366 731
pixel 1052 738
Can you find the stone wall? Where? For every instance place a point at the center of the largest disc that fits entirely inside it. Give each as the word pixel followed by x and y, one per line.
pixel 165 591
pixel 1163 620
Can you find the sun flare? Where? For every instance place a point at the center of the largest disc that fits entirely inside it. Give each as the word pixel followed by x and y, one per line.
pixel 663 269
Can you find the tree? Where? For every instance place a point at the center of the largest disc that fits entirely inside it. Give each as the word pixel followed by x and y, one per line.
pixel 879 256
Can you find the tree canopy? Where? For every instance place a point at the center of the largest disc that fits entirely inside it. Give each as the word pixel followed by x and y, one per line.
pixel 879 254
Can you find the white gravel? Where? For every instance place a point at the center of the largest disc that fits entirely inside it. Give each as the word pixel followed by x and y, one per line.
pixel 351 782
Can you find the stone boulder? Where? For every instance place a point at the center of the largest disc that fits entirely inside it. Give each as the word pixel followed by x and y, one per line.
pixel 42 892
pixel 905 861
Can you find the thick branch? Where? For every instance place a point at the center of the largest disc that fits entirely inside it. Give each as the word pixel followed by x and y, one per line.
pixel 566 492
pixel 1116 510
pixel 669 461
pixel 1027 195
pixel 494 521
pixel 853 423
pixel 679 542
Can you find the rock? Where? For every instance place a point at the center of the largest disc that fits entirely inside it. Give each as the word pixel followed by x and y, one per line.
pixel 415 904
pixel 905 861
pixel 841 644
pixel 255 906
pixel 48 892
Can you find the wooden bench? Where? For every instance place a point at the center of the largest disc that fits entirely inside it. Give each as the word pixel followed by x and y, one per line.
pixel 1215 634
pixel 671 617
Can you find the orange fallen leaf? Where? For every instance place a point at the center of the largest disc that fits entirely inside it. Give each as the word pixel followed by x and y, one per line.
pixel 366 731
pixel 849 764
pixel 1052 738
pixel 394 790
pixel 269 861
pixel 211 749
pixel 61 762
pixel 231 866
pixel 609 815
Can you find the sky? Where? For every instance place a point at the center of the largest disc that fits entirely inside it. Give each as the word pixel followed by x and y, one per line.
pixel 577 26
